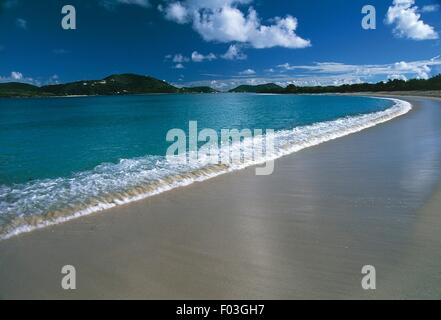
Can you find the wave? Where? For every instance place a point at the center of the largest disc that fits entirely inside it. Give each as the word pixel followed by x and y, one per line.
pixel 28 206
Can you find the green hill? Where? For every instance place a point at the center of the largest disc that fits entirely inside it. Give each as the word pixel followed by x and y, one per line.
pixel 260 88
pixel 433 84
pixel 202 89
pixel 121 84
pixel 18 89
pixel 112 85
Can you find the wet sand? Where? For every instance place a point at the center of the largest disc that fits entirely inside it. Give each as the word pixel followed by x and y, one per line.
pixel 370 198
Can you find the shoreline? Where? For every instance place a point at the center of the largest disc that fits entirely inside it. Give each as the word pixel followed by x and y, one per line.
pixel 430 94
pixel 57 217
pixel 303 232
pixel 403 95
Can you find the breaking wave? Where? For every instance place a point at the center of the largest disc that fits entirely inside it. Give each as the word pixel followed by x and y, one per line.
pixel 28 206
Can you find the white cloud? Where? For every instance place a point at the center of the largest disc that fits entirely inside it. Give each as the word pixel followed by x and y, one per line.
pixel 54 79
pixel 179 66
pixel 282 80
pixel 420 69
pixel 325 73
pixel 15 75
pixel 247 72
pixel 223 21
pixel 180 58
pixel 177 58
pixel 322 67
pixel 407 20
pixel 234 53
pixel 430 8
pixel 21 23
pixel 397 77
pixel 198 57
pixel 175 12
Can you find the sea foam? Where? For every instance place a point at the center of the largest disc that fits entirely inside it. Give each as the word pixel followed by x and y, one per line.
pixel 28 206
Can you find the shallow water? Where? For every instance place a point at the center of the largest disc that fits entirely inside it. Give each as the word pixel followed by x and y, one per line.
pixel 66 157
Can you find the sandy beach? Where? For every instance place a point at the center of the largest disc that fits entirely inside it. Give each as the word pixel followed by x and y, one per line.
pixel 306 231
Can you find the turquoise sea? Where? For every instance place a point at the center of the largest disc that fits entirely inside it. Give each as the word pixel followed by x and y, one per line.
pixel 65 157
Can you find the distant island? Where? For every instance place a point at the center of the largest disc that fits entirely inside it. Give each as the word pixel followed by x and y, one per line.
pixel 260 88
pixel 124 84
pixel 433 83
pixel 203 89
pixel 118 84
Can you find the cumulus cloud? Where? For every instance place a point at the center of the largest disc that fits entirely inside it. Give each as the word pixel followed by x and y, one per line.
pixel 175 12
pixel 397 77
pixel 419 69
pixel 325 73
pixel 234 53
pixel 198 57
pixel 223 21
pixel 15 75
pixel 180 58
pixel 405 16
pixel 177 58
pixel 282 80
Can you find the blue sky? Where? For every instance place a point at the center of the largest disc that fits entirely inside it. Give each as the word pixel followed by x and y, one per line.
pixel 221 43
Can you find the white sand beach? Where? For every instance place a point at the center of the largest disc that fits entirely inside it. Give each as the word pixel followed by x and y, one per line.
pixel 306 231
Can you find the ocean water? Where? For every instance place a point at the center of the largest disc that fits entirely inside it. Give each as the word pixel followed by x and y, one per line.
pixel 61 158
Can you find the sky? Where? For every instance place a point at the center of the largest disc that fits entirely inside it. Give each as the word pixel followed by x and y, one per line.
pixel 220 43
